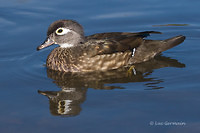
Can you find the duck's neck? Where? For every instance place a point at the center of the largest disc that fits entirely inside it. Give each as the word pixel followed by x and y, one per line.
pixel 78 40
pixel 66 45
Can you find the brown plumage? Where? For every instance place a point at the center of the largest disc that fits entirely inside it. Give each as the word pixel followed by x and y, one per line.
pixel 101 51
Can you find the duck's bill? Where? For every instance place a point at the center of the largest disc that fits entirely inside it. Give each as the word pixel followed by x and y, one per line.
pixel 47 42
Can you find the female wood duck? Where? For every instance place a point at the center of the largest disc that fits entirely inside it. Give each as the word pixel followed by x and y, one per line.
pixel 102 51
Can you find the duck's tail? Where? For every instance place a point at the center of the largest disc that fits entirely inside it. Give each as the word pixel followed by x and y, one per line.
pixel 150 48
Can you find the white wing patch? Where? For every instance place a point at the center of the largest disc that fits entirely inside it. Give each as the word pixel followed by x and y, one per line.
pixel 133 53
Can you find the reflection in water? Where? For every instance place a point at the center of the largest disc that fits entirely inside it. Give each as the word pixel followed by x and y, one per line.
pixel 74 86
pixel 65 102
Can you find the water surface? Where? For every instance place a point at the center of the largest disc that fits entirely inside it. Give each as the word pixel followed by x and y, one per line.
pixel 163 90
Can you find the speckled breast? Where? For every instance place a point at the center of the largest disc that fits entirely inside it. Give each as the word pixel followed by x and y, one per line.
pixel 67 61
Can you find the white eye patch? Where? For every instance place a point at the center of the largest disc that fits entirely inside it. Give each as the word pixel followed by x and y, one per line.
pixel 62 31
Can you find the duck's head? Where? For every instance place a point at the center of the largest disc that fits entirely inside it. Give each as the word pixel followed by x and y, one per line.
pixel 65 33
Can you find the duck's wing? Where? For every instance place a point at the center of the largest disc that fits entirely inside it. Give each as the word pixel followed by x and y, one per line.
pixel 121 35
pixel 108 43
pixel 150 48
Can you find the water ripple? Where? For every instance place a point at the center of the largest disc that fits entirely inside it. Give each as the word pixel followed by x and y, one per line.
pixel 117 15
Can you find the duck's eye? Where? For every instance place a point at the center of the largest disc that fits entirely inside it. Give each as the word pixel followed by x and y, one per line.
pixel 62 31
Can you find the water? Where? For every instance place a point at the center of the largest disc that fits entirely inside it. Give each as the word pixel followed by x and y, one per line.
pixel 163 91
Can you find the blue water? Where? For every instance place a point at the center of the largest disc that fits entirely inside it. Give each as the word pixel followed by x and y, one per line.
pixel 163 92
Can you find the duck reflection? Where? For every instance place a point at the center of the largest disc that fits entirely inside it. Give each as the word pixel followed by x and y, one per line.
pixel 67 101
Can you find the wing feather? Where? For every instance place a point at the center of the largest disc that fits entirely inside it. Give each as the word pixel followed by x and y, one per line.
pixel 112 42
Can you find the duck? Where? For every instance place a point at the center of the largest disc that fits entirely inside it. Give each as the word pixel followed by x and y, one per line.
pixel 100 51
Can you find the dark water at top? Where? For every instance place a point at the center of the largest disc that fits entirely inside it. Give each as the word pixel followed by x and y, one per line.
pixel 164 91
